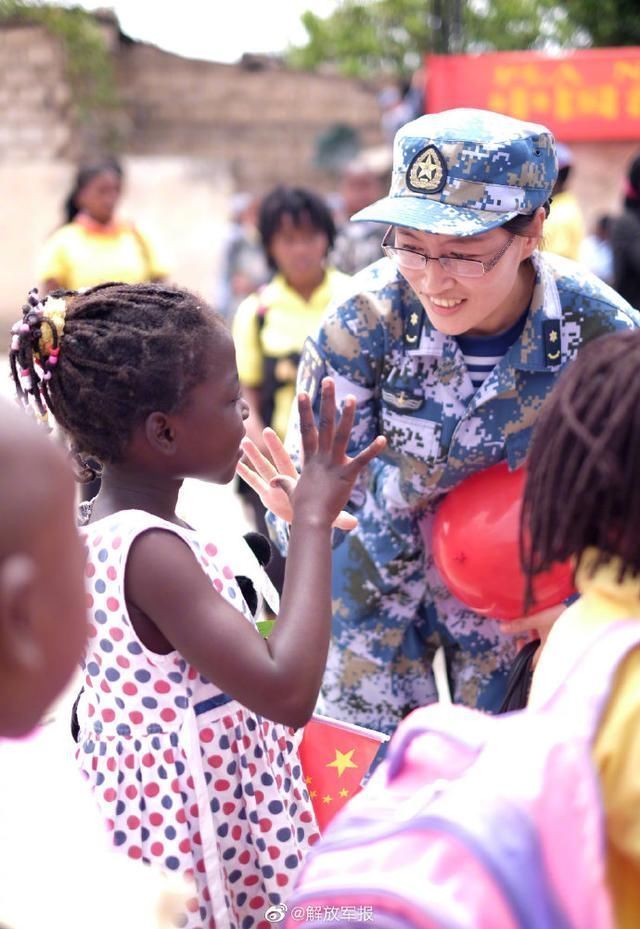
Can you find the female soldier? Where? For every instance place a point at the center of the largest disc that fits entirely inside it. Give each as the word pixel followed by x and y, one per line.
pixel 450 346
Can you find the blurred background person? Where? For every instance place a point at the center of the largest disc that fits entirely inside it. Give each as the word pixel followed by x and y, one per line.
pixel 363 181
pixel 243 265
pixel 596 252
pixel 297 232
pixel 625 239
pixel 93 245
pixel 564 228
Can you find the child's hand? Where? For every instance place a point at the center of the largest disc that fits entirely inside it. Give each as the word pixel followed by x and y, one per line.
pixel 274 479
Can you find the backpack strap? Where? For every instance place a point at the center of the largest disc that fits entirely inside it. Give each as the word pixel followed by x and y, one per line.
pixel 584 693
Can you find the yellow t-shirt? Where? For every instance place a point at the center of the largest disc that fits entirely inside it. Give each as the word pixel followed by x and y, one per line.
pixel 288 320
pixel 617 746
pixel 564 229
pixel 78 255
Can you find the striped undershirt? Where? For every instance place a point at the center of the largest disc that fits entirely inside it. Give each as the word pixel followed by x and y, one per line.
pixel 482 353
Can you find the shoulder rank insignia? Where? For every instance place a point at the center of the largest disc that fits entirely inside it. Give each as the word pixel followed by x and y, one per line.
pixel 551 341
pixel 401 400
pixel 427 173
pixel 311 370
pixel 413 329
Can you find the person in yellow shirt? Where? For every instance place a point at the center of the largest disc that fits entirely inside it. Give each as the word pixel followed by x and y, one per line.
pixel 582 501
pixel 270 326
pixel 93 246
pixel 564 228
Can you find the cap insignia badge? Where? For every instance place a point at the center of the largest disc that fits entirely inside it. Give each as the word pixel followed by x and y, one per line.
pixel 427 173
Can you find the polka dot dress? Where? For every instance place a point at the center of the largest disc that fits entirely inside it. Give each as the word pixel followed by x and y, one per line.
pixel 186 777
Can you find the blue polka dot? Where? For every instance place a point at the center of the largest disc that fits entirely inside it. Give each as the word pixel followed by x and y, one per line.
pixel 162 772
pixel 253 816
pixel 296 771
pixel 283 835
pixel 231 767
pixel 137 744
pixel 261 844
pixel 238 732
pixel 237 793
pixel 248 922
pixel 119 838
pixel 241 899
pixel 248 789
pixel 100 586
pixel 120 807
pixel 181 702
pixel 258 752
pixel 112 674
pixel 286 785
pixel 149 702
pixel 293 808
pixel 175 676
pixel 232 593
pixel 251 724
pixel 142 675
pixel 234 876
pixel 208 777
pixel 139 775
pixel 93 668
pixel 266 779
pixel 300 834
pixel 142 804
pixel 99 778
pixel 268 871
pixel 106 645
pixel 120 704
pixel 120 777
pixel 170 832
pixel 275 807
pixel 289 746
pixel 144 832
pixel 223 830
pixel 154 727
pixel 228 854
pixel 243 813
pixel 224 741
pixel 291 862
pixel 179 767
pixel 155 743
pixel 215 805
pixel 134 648
pixel 172 863
pixel 103 554
pixel 167 802
pixel 101 617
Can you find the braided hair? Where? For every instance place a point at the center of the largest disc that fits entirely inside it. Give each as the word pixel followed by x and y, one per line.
pixel 121 352
pixel 583 484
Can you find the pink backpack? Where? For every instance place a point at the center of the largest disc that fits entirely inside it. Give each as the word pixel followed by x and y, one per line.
pixel 475 821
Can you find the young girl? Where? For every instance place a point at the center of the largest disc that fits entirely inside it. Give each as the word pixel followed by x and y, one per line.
pixel 186 709
pixel 582 500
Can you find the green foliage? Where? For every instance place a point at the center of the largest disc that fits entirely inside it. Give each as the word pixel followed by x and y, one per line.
pixel 367 38
pixel 87 64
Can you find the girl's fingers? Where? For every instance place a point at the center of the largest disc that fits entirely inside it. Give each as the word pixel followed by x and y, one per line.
pixel 345 521
pixel 365 456
pixel 279 455
pixel 327 416
pixel 343 429
pixel 261 464
pixel 253 479
pixel 308 431
pixel 284 483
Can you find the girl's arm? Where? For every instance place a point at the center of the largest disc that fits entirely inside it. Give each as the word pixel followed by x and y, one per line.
pixel 278 678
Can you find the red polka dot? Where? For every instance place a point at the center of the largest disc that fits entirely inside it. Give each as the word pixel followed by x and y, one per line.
pixel 259 796
pixel 257 903
pixel 206 735
pixel 90 569
pixel 221 784
pixel 131 791
pixel 197 838
pixel 194 809
pixel 306 817
pixel 108 715
pixel 265 824
pixel 91 631
pixel 215 761
pixel 282 880
pixel 236 833
pixel 185 846
pixel 228 808
pixel 112 604
pixel 115 632
pixel 134 852
pixel 227 572
pixel 192 905
pixel 273 852
pixel 148 760
pixel 200 866
pixel 244 857
pixel 181 816
pixel 157 848
pixel 131 690
pixel 211 549
pixel 167 714
pixel 168 756
pixel 104 687
pixel 217 583
pixel 111 573
pixel 151 790
pixel 97 541
pixel 91 710
pixel 136 717
pixel 111 764
pixel 117 542
pixel 156 819
pixel 133 822
pixel 162 687
pixel 122 661
pixel 250 880
pixel 89 601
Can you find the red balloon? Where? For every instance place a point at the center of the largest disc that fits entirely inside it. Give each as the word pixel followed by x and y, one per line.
pixel 475 547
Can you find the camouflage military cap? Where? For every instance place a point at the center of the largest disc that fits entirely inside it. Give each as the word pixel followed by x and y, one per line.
pixel 463 172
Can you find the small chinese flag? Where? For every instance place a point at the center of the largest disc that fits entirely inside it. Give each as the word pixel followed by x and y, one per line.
pixel 335 758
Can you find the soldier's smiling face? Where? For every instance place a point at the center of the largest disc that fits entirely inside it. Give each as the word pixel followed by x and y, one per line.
pixel 477 305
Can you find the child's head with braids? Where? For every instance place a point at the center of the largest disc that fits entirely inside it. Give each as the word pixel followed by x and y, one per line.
pixel 136 375
pixel 583 485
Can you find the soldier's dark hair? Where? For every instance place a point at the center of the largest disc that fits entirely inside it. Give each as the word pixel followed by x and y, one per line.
pixel 84 175
pixel 582 488
pixel 632 192
pixel 303 206
pixel 126 350
pixel 521 224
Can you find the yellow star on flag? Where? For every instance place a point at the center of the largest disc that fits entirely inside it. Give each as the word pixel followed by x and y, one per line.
pixel 344 793
pixel 313 794
pixel 308 780
pixel 553 336
pixel 327 799
pixel 342 761
pixel 413 319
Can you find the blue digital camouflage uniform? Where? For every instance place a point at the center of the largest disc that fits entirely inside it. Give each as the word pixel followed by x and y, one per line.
pixel 391 608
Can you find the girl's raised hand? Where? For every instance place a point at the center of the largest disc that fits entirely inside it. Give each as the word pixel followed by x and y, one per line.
pixel 324 454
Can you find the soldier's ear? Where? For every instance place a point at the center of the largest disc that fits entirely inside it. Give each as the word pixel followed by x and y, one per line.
pixel 534 236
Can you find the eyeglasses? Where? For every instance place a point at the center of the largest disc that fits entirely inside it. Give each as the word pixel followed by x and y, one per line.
pixel 409 260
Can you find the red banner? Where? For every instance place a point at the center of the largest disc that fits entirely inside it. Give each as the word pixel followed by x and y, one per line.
pixel 335 757
pixel 585 95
